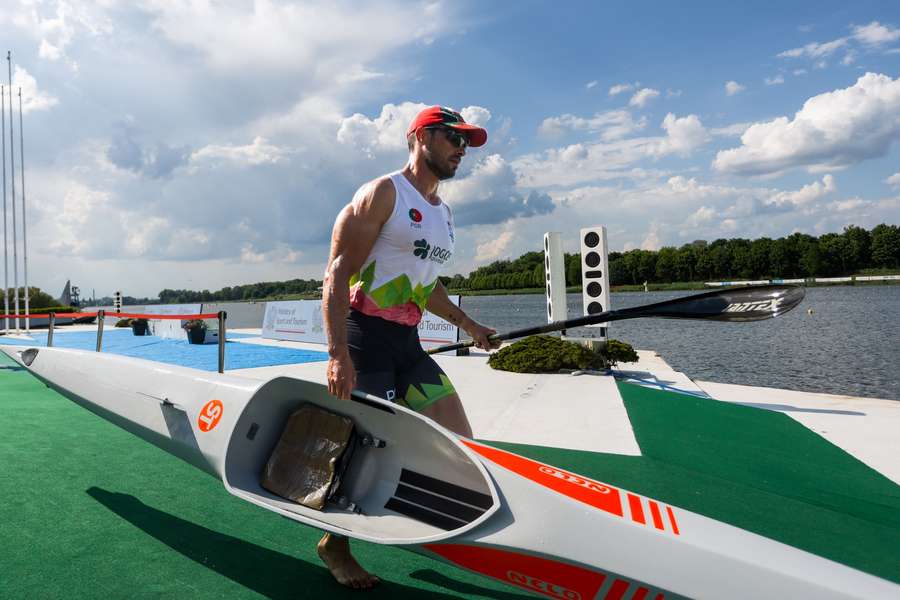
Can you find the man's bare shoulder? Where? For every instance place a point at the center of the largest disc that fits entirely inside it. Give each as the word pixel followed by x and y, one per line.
pixel 375 198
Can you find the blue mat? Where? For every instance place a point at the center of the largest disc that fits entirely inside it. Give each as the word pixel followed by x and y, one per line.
pixel 177 352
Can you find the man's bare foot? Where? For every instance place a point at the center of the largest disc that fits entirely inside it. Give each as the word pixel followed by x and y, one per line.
pixel 335 553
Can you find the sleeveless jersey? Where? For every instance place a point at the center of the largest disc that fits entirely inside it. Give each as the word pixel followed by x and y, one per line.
pixel 402 268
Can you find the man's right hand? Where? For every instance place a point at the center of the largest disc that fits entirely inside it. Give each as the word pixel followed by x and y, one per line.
pixel 341 375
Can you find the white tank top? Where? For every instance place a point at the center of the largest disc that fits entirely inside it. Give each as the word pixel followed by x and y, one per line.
pixel 402 268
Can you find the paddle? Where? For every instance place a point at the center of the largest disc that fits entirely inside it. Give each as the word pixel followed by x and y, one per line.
pixel 749 303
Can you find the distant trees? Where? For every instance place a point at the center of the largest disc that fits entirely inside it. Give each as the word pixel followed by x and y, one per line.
pixel 252 291
pixel 796 256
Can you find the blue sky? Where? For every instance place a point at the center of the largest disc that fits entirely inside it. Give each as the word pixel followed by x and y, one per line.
pixel 199 145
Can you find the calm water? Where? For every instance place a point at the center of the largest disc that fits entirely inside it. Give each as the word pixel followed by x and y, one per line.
pixel 849 345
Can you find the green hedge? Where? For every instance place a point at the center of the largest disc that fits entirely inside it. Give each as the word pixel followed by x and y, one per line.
pixel 548 354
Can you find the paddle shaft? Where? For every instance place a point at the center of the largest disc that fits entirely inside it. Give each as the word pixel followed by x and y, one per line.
pixel 750 303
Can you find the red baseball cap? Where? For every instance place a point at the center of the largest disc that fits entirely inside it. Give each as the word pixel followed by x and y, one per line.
pixel 440 115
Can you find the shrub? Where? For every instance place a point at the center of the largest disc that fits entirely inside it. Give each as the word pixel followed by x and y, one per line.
pixel 547 354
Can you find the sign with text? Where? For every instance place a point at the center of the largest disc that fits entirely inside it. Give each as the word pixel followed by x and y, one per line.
pixel 294 320
pixel 301 321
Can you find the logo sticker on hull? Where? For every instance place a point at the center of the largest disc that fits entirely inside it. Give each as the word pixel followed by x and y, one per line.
pixel 594 493
pixel 210 415
pixel 545 576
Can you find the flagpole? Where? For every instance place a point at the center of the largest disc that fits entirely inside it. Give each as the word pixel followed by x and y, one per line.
pixel 24 229
pixel 5 226
pixel 12 189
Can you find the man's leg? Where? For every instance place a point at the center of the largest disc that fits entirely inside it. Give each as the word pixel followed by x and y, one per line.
pixel 426 389
pixel 374 375
pixel 449 412
pixel 334 550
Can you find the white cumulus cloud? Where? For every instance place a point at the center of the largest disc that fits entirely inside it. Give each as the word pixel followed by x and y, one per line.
pixel 258 152
pixel 893 180
pixel 620 88
pixel 833 129
pixel 777 80
pixel 643 96
pixel 611 125
pixel 733 87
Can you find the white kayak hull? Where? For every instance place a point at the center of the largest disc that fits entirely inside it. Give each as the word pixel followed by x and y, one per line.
pixel 531 525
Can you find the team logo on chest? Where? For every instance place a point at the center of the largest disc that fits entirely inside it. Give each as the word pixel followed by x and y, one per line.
pixel 416 218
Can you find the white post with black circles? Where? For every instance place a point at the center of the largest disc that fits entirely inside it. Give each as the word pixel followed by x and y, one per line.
pixel 595 274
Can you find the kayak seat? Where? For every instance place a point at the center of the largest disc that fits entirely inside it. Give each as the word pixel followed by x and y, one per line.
pixel 311 457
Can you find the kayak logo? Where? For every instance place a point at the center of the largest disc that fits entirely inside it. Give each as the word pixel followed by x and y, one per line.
pixel 765 305
pixel 210 415
pixel 422 248
pixel 575 479
pixel 542 587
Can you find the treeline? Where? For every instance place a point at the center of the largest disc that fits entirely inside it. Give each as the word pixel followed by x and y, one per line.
pixel 795 256
pixel 252 291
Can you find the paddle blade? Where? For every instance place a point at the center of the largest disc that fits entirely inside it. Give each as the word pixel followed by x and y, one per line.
pixel 751 303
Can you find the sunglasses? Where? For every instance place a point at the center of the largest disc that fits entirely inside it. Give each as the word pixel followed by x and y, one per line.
pixel 454 137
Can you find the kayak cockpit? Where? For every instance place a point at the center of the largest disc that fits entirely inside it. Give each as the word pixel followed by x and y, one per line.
pixel 406 481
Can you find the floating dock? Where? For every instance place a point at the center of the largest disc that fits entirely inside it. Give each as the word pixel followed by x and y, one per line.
pixel 89 510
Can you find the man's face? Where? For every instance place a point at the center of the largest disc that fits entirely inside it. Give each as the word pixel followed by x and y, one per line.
pixel 443 150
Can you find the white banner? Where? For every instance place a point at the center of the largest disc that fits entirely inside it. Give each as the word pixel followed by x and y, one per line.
pixel 294 320
pixel 301 321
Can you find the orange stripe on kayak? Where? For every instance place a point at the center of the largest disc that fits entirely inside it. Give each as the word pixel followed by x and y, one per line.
pixel 657 516
pixel 594 493
pixel 640 594
pixel 672 520
pixel 617 590
pixel 637 509
pixel 543 576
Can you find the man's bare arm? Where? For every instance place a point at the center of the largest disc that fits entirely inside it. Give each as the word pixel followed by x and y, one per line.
pixel 440 304
pixel 355 231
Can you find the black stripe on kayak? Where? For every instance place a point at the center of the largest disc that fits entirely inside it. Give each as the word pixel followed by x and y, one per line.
pixel 464 512
pixel 423 514
pixel 444 488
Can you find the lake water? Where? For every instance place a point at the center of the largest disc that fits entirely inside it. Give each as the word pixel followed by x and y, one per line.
pixel 849 345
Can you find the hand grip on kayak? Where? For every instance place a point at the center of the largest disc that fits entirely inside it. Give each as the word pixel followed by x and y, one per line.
pixel 736 304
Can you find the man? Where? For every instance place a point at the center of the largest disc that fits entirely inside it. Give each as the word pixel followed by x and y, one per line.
pixel 387 248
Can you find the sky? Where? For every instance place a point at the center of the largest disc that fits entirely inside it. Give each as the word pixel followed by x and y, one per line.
pixel 198 144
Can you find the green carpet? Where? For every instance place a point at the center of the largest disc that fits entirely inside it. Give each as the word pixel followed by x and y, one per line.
pixel 88 510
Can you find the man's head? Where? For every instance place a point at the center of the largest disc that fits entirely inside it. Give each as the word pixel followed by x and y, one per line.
pixel 443 136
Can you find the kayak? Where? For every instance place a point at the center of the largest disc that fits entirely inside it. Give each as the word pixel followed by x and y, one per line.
pixel 402 479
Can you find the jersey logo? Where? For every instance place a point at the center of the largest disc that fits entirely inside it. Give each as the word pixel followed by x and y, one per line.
pixel 422 248
pixel 415 215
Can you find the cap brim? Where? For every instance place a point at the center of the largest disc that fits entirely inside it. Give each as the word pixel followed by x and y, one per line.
pixel 477 136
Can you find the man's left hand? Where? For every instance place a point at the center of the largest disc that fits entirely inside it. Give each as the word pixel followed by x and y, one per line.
pixel 481 334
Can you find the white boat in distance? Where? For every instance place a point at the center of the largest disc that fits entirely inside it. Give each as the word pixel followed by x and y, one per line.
pixel 412 483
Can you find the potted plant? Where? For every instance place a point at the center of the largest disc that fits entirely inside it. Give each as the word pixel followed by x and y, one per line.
pixel 140 327
pixel 196 330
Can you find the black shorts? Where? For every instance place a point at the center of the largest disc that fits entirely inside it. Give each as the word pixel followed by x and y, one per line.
pixel 391 364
